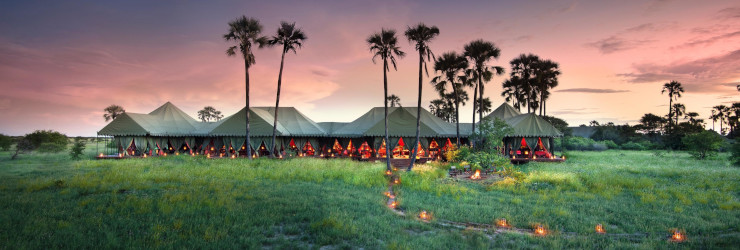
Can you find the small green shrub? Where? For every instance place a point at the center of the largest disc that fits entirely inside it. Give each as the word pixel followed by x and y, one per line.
pixel 78 148
pixel 5 142
pixel 610 144
pixel 633 146
pixel 735 156
pixel 703 144
pixel 39 137
pixel 50 147
pixel 579 143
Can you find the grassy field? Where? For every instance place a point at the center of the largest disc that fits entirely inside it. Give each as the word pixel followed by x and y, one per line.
pixel 49 201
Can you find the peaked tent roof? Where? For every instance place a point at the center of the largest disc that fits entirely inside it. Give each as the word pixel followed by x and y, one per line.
pixel 330 127
pixel 503 112
pixel 527 125
pixel 260 124
pixel 124 125
pixel 167 120
pixel 401 122
pixel 295 122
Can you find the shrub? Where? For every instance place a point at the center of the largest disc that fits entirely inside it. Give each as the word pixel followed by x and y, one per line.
pixel 484 160
pixel 579 143
pixel 78 148
pixel 633 146
pixel 50 147
pixel 452 153
pixel 39 137
pixel 610 144
pixel 703 144
pixel 599 146
pixel 735 156
pixel 5 142
pixel 22 146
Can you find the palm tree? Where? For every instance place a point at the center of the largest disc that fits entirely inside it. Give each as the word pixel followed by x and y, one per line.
pixel 245 32
pixel 290 38
pixel 113 111
pixel 449 65
pixel 513 91
pixel 674 90
pixel 721 114
pixel 479 52
pixel 522 79
pixel 384 45
pixel 421 35
pixel 679 109
pixel 546 75
pixel 394 100
pixel 714 117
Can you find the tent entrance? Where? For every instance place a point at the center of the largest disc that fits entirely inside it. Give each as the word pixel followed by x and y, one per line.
pixel 365 151
pixel 308 149
pixel 350 150
pixel 434 149
pixel 524 151
pixel 400 151
pixel 262 150
pixel 540 151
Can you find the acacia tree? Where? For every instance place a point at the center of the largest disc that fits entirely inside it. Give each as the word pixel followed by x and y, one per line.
pixel 246 33
pixel 384 45
pixel 394 100
pixel 674 90
pixel 290 38
pixel 449 65
pixel 113 111
pixel 209 113
pixel 421 35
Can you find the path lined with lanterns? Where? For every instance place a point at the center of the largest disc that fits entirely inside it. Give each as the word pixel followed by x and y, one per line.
pixel 504 226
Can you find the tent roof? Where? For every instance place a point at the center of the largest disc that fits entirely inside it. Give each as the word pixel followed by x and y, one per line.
pixel 123 125
pixel 260 124
pixel 503 112
pixel 527 125
pixel 401 122
pixel 167 120
pixel 330 127
pixel 295 122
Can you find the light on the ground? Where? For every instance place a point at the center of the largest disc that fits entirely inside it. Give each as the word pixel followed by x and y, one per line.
pixel 503 223
pixel 600 229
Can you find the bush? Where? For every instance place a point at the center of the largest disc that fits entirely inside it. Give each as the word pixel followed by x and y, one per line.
pixel 39 137
pixel 599 146
pixel 735 156
pixel 610 144
pixel 78 148
pixel 50 147
pixel 703 144
pixel 451 154
pixel 484 160
pixel 633 146
pixel 5 142
pixel 579 143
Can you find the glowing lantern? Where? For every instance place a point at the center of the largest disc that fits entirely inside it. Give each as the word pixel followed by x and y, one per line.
pixel 177 153
pixel 503 223
pixel 678 236
pixel 233 156
pixel 600 229
pixel 388 172
pixel 120 154
pixel 212 149
pixel 475 176
pixel 144 155
pixel 534 157
pixel 526 152
pixel 389 195
pixel 539 230
pixel 101 155
pixel 183 148
pixel 165 154
pixel 563 157
pixel 393 205
pixel 397 181
pixel 208 156
pixel 424 215
pixel 513 157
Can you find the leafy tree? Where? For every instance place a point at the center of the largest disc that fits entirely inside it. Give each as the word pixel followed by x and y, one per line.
pixel 449 65
pixel 39 137
pixel 290 38
pixel 674 90
pixel 421 35
pixel 209 113
pixel 246 33
pixel 491 133
pixel 651 123
pixel 559 124
pixel 443 108
pixel 394 100
pixel 23 145
pixel 77 148
pixel 384 45
pixel 703 144
pixel 546 78
pixel 478 53
pixel 484 106
pixel 5 142
pixel 520 86
pixel 692 116
pixel 678 110
pixel 113 111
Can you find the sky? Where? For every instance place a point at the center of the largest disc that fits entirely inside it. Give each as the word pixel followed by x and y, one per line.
pixel 63 62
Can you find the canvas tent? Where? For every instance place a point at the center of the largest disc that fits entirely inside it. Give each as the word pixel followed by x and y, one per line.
pixel 531 128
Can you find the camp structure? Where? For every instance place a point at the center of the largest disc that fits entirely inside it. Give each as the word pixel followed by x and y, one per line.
pixel 368 131
pixel 503 112
pixel 533 137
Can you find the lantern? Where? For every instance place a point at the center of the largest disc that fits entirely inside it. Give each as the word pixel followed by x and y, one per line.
pixel 233 156
pixel 208 156
pixel 397 181
pixel 165 154
pixel 502 223
pixel 144 155
pixel 534 157
pixel 177 153
pixel 540 230
pixel 678 236
pixel 393 205
pixel 101 155
pixel 424 215
pixel 388 172
pixel 600 229
pixel 475 176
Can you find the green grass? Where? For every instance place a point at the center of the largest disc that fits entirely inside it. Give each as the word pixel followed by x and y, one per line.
pixel 49 201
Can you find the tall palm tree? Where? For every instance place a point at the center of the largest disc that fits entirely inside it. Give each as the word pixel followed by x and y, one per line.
pixel 478 53
pixel 421 35
pixel 714 117
pixel 449 65
pixel 290 38
pixel 679 110
pixel 546 75
pixel 523 77
pixel 721 114
pixel 394 100
pixel 513 91
pixel 487 75
pixel 246 33
pixel 674 90
pixel 384 45
pixel 113 111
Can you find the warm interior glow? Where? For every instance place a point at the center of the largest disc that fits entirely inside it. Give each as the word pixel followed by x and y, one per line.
pixel 502 223
pixel 476 176
pixel 540 230
pixel 388 172
pixel 424 215
pixel 678 236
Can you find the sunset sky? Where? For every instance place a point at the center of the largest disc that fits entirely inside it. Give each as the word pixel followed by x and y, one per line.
pixel 62 62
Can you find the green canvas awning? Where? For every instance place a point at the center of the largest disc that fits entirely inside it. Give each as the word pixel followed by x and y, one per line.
pixel 531 125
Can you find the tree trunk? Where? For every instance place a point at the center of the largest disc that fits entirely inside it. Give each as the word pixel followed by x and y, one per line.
pixel 418 116
pixel 475 98
pixel 249 142
pixel 542 101
pixel 385 106
pixel 480 110
pixel 670 108
pixel 277 104
pixel 457 110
